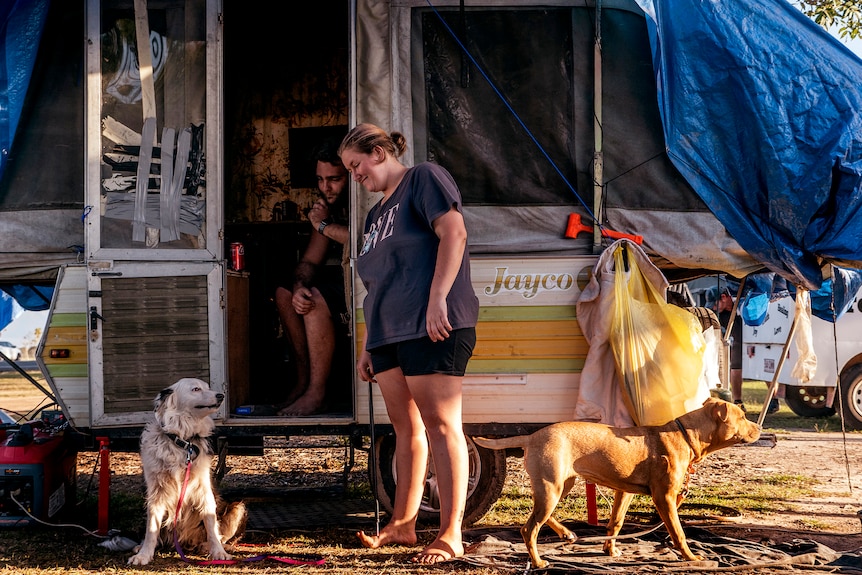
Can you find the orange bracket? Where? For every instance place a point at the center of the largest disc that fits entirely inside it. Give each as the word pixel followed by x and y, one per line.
pixel 575 227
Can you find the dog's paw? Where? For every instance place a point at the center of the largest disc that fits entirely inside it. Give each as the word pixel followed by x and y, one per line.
pixel 611 550
pixel 140 559
pixel 219 554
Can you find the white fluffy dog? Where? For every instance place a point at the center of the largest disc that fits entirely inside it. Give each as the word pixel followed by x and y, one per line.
pixel 174 440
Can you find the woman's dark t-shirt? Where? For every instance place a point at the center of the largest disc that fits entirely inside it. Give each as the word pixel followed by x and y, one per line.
pixel 398 256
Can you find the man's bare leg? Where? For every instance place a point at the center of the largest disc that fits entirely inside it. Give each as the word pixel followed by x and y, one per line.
pixel 320 336
pixel 295 331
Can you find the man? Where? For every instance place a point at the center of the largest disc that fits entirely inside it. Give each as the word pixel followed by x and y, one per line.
pixel 313 311
pixel 724 308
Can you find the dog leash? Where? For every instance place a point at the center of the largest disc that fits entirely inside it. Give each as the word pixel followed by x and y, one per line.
pixel 298 559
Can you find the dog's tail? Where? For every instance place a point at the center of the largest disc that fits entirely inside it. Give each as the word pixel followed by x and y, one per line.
pixel 501 443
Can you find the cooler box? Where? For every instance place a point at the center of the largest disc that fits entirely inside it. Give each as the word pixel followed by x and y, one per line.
pixel 38 468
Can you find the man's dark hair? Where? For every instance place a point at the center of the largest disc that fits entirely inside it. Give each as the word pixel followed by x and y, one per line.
pixel 328 152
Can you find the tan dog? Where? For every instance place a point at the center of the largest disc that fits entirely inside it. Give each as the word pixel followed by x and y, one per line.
pixel 649 460
pixel 173 443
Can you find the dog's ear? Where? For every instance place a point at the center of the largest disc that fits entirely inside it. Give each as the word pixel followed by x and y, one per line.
pixel 161 397
pixel 722 410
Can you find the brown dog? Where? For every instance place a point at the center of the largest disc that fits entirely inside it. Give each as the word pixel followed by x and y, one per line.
pixel 650 460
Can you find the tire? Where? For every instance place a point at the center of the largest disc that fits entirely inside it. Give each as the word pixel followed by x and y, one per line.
pixel 851 397
pixel 487 476
pixel 808 401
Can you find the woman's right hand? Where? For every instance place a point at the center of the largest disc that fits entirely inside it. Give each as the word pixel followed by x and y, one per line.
pixel 364 367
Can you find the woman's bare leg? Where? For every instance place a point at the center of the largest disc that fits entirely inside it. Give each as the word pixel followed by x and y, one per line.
pixel 411 462
pixel 438 398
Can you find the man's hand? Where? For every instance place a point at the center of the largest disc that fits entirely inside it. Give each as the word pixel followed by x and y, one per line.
pixel 319 211
pixel 303 301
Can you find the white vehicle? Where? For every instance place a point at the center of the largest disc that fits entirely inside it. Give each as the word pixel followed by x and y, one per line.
pixel 838 347
pixel 10 350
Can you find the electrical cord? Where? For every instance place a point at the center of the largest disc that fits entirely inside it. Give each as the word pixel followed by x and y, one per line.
pixel 37 520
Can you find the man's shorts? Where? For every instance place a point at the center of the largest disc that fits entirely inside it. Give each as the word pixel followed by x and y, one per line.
pixel 423 357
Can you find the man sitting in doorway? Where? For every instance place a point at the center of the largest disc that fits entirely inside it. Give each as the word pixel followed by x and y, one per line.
pixel 313 311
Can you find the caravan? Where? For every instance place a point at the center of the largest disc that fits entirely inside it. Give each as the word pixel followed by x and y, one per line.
pixel 133 172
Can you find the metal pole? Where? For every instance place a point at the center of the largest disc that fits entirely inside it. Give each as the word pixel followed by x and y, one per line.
pixel 372 461
pixel 598 155
pixel 774 384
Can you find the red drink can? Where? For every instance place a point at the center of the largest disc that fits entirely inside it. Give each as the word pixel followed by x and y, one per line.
pixel 237 256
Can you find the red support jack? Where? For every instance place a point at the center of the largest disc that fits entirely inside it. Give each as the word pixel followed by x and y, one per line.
pixel 592 507
pixel 104 484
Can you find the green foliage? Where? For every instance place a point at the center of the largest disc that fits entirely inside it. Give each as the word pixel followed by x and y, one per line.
pixel 845 15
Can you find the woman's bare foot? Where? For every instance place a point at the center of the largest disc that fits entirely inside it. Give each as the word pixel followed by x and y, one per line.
pixel 388 536
pixel 438 552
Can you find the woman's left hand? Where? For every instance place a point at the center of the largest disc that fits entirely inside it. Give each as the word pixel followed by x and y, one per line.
pixel 437 320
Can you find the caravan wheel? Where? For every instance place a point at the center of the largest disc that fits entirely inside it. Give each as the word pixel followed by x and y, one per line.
pixel 485 484
pixel 851 397
pixel 808 401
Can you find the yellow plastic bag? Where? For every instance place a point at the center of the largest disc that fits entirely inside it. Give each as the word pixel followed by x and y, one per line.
pixel 658 348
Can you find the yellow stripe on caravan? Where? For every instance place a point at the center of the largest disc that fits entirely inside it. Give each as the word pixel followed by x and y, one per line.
pixel 523 339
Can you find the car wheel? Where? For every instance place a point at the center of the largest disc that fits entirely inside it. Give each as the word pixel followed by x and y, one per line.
pixel 851 397
pixel 808 401
pixel 485 483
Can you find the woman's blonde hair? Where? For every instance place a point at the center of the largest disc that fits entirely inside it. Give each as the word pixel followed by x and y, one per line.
pixel 363 138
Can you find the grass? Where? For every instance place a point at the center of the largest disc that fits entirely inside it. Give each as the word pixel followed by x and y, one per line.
pixel 37 549
pixel 19 397
pixel 753 395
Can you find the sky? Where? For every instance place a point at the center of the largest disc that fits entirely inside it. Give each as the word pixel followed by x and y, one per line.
pixel 22 330
pixel 855 45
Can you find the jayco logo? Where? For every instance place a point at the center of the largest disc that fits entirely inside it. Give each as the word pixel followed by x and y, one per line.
pixel 528 284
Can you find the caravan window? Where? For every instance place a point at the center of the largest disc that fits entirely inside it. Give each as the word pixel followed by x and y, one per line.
pixel 153 112
pixel 508 108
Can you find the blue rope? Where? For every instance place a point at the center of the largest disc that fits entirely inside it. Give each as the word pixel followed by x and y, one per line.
pixel 515 114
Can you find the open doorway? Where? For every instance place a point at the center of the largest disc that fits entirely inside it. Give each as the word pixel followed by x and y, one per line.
pixel 285 92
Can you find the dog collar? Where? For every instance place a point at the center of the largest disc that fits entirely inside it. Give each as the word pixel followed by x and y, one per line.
pixel 685 436
pixel 190 448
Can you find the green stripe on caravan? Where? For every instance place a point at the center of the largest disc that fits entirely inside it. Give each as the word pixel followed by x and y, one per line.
pixel 68 320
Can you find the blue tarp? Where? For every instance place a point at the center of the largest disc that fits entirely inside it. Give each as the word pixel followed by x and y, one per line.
pixel 762 114
pixel 9 310
pixel 21 25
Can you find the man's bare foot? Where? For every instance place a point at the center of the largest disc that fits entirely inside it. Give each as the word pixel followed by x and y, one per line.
pixel 387 537
pixel 437 552
pixel 296 392
pixel 305 405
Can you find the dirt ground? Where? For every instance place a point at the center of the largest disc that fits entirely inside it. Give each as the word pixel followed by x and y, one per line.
pixel 830 516
pixel 827 517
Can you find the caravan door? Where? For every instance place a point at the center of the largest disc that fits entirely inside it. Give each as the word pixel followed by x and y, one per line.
pixel 153 250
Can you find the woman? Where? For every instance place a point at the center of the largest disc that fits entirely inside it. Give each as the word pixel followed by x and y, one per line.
pixel 420 328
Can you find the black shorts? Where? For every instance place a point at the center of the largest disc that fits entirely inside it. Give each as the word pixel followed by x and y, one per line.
pixel 422 356
pixel 330 282
pixel 736 355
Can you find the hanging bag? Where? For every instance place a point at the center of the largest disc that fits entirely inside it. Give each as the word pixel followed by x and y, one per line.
pixel 658 347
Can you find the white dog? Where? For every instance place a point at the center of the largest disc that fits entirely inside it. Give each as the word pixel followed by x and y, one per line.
pixel 172 443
